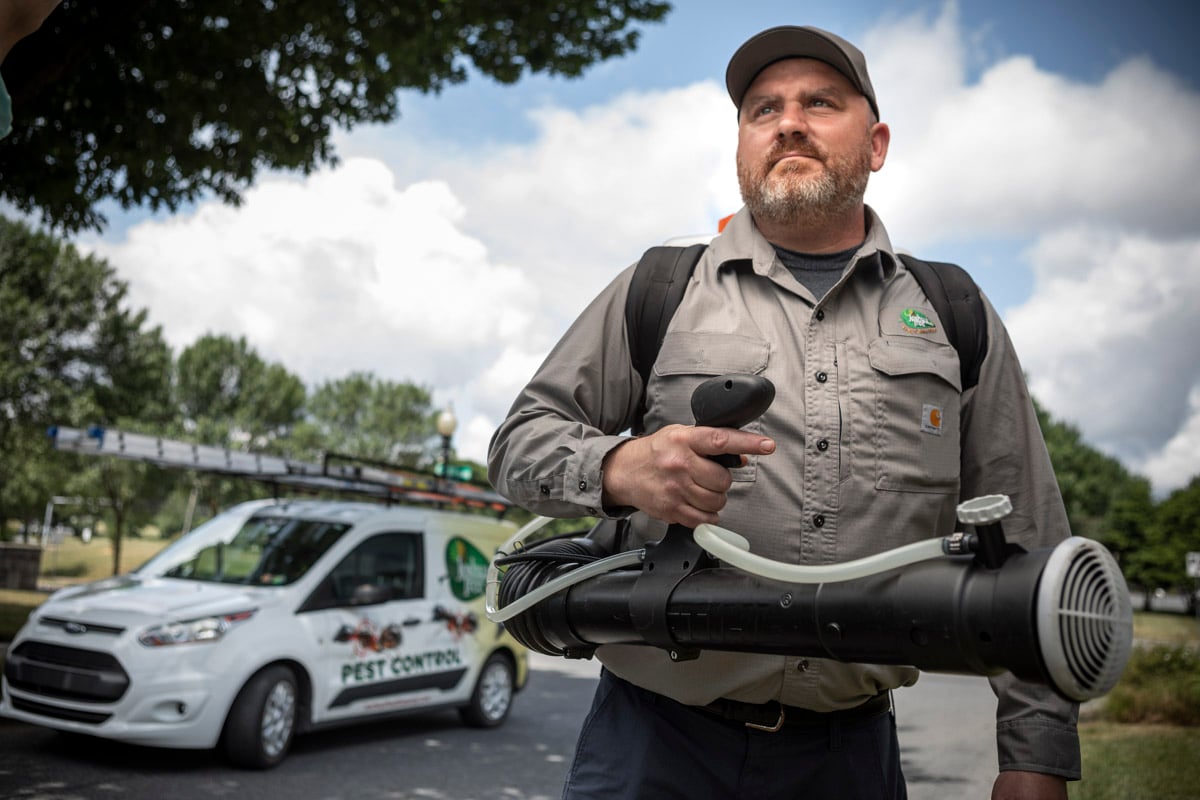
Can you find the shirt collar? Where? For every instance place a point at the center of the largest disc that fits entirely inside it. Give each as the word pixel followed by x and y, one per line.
pixel 742 242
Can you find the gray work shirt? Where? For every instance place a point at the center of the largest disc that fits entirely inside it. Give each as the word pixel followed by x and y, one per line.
pixel 876 442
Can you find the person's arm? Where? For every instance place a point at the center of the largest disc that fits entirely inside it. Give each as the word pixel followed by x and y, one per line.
pixel 1004 453
pixel 564 449
pixel 547 455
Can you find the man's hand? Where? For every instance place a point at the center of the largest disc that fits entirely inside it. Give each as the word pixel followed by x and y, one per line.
pixel 1016 785
pixel 668 473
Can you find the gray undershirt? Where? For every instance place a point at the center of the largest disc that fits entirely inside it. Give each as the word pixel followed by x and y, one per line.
pixel 816 272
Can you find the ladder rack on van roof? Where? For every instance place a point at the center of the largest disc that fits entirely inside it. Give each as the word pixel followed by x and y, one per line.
pixel 356 477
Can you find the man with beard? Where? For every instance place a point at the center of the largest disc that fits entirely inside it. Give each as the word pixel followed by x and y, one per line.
pixel 869 444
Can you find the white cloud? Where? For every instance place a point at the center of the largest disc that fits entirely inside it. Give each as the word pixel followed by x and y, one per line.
pixel 457 267
pixel 1108 340
pixel 1170 467
pixel 340 272
pixel 593 190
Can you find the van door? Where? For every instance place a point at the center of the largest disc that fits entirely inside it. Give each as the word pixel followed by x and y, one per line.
pixel 380 634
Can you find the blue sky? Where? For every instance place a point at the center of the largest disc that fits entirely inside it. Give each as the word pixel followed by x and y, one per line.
pixel 1050 148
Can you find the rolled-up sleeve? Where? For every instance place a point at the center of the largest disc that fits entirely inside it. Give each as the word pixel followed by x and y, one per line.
pixel 1004 453
pixel 547 455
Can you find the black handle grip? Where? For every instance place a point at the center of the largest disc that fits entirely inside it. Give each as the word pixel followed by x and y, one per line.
pixel 730 401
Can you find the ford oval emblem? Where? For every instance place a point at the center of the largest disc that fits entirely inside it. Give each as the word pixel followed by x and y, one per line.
pixel 75 627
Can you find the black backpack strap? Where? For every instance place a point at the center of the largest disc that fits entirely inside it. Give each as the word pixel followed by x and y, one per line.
pixel 955 298
pixel 657 288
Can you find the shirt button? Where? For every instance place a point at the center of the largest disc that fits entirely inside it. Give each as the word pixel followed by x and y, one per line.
pixel 583 486
pixel 822 377
pixel 802 665
pixel 544 489
pixel 823 445
pixel 819 520
pixel 820 314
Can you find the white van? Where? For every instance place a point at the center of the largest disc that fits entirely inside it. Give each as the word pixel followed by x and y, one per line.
pixel 272 619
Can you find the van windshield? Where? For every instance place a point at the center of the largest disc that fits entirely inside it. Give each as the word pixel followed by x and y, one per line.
pixel 266 551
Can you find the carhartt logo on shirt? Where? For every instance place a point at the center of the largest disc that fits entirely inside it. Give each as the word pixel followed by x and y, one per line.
pixel 931 419
pixel 916 322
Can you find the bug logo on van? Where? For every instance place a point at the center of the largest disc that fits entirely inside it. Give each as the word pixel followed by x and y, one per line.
pixel 467 568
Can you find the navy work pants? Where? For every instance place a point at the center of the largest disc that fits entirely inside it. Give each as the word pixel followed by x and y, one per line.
pixel 637 745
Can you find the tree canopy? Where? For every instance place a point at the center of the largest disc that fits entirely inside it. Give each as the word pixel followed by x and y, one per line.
pixel 162 102
pixel 72 352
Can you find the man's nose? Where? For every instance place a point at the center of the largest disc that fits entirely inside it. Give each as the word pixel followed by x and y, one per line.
pixel 792 122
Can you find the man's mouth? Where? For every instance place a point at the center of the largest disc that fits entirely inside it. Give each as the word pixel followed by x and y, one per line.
pixel 793 155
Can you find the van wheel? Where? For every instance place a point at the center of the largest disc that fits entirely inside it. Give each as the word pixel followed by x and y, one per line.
pixel 259 728
pixel 493 695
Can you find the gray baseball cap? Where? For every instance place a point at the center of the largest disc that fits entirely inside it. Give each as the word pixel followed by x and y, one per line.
pixel 791 41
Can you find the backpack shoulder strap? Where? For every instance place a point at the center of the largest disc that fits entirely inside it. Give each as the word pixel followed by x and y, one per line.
pixel 657 288
pixel 955 297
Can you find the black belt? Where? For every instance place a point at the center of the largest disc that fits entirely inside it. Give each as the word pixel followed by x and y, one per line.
pixel 773 716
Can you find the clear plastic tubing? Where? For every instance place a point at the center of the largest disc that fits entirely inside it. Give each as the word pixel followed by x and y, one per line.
pixel 565 581
pixel 734 549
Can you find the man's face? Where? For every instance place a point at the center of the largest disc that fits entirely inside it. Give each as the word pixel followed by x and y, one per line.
pixel 807 142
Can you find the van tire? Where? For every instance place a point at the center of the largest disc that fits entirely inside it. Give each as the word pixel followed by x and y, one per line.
pixel 492 699
pixel 260 726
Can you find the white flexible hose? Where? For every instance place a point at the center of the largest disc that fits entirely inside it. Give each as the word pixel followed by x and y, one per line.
pixel 564 581
pixel 724 544
pixel 734 549
pixel 626 559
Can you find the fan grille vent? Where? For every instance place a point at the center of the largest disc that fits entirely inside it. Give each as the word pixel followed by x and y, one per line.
pixel 1093 618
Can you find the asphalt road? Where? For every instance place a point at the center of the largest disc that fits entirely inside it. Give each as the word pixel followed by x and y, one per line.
pixel 945 725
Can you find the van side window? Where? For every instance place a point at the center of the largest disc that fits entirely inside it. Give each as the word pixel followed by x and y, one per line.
pixel 389 563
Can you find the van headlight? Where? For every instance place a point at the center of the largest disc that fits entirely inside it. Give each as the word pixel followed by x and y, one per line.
pixel 204 629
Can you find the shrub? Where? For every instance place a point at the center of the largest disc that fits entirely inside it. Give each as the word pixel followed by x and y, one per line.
pixel 1160 684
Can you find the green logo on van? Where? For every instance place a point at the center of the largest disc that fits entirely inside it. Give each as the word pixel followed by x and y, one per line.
pixel 916 321
pixel 467 568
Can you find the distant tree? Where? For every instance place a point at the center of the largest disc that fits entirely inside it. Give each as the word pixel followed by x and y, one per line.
pixel 1131 513
pixel 366 416
pixel 162 102
pixel 1161 560
pixel 1089 481
pixel 229 396
pixel 72 352
pixel 132 492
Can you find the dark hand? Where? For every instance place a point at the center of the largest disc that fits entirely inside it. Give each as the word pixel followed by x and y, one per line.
pixel 669 475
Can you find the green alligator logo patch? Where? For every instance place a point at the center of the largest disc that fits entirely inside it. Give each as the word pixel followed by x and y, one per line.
pixel 916 321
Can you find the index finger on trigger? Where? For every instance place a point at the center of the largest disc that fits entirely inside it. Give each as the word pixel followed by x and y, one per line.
pixel 717 441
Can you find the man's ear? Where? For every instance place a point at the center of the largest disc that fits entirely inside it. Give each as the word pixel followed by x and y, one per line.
pixel 881 136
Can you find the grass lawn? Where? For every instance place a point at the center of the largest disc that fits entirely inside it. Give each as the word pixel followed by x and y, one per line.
pixel 75 562
pixel 1167 629
pixel 1138 762
pixel 1143 761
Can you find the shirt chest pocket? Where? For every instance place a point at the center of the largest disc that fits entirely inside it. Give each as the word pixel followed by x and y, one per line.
pixel 917 408
pixel 687 359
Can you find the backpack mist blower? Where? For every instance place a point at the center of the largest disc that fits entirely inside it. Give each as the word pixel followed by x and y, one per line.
pixel 967 603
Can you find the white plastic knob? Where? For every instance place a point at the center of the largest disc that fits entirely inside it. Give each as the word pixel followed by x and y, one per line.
pixel 984 510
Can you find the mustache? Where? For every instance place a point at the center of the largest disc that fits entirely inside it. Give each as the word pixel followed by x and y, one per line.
pixel 779 150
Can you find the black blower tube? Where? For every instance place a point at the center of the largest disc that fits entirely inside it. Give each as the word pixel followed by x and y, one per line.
pixel 1057 616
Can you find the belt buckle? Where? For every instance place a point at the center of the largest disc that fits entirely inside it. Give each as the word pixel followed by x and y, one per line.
pixel 769 728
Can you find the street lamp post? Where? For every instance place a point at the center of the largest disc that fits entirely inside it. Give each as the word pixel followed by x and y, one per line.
pixel 446 424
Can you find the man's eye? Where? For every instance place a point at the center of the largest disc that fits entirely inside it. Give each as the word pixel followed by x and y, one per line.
pixel 766 108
